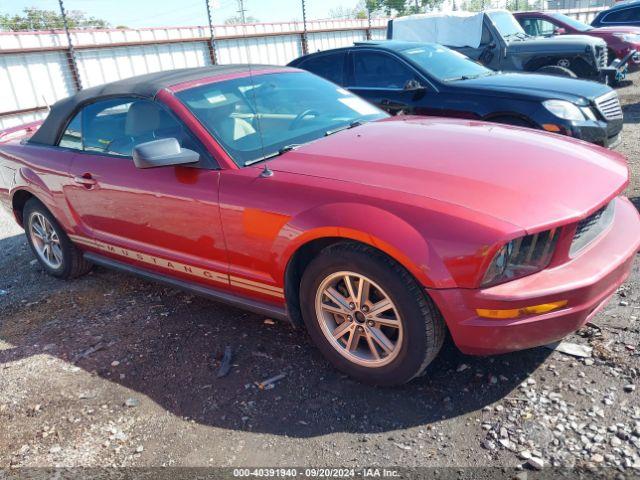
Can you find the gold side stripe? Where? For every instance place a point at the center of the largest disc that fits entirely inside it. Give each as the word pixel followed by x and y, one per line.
pixel 258 289
pixel 255 284
pixel 181 267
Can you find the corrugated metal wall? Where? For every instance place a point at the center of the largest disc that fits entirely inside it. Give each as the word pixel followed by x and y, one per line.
pixel 34 68
pixel 35 72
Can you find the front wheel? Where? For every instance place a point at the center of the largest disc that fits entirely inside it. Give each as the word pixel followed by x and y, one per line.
pixel 369 316
pixel 556 70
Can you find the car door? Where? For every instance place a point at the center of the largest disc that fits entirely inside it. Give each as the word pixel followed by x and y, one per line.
pixel 384 80
pixel 167 217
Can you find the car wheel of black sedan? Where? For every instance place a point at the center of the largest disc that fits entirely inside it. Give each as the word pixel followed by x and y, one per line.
pixel 556 70
pixel 50 244
pixel 369 316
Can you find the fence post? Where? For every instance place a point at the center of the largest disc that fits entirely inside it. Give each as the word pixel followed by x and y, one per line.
pixel 211 44
pixel 71 53
pixel 305 41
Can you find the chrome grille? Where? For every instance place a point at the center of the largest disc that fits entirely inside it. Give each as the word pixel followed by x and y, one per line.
pixel 609 106
pixel 591 227
pixel 603 57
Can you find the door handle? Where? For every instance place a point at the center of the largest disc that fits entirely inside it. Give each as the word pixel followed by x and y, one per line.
pixel 385 102
pixel 86 180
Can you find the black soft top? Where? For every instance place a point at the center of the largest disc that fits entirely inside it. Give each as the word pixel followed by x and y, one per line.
pixel 144 86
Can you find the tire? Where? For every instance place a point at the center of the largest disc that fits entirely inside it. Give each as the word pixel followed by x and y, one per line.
pixel 556 70
pixel 416 339
pixel 67 261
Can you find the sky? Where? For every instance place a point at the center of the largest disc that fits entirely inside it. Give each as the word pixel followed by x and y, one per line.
pixel 145 13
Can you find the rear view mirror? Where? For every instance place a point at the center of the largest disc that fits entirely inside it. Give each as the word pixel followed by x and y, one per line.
pixel 162 153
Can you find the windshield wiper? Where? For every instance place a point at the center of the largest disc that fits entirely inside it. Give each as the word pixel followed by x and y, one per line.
pixel 517 35
pixel 467 77
pixel 285 149
pixel 356 123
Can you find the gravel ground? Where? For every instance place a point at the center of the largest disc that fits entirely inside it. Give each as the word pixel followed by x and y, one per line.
pixel 110 370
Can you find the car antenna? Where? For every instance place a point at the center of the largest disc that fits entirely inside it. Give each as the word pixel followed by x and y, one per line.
pixel 46 104
pixel 266 171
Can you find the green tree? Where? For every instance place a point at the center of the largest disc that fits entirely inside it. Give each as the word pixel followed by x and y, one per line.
pixel 33 18
pixel 237 20
pixel 402 7
pixel 359 11
pixel 523 5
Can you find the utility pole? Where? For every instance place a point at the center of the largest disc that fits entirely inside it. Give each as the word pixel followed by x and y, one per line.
pixel 305 40
pixel 71 53
pixel 211 44
pixel 368 33
pixel 241 11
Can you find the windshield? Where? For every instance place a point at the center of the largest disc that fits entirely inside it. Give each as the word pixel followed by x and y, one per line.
pixel 506 24
pixel 572 22
pixel 444 64
pixel 255 118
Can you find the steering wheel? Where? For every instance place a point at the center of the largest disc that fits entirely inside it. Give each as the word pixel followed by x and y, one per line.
pixel 301 115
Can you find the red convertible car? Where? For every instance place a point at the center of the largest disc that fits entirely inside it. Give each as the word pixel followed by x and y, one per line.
pixel 275 190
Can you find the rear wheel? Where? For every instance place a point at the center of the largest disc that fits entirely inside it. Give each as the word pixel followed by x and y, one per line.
pixel 369 316
pixel 556 70
pixel 50 244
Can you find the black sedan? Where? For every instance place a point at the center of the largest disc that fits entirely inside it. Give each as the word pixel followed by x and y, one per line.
pixel 429 79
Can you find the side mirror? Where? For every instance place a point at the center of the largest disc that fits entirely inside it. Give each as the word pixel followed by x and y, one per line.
pixel 162 153
pixel 559 31
pixel 413 85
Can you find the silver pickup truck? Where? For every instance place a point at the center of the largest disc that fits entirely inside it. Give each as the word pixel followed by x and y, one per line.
pixel 496 39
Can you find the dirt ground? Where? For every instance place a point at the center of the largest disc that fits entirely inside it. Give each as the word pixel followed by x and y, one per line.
pixel 110 370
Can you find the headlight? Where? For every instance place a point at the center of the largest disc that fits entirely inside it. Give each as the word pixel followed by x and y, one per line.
pixel 628 37
pixel 522 256
pixel 563 109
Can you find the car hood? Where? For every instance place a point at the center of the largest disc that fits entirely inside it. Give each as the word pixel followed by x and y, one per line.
pixel 530 179
pixel 541 86
pixel 561 43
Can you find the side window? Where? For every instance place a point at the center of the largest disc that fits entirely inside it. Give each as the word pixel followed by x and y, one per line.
pixel 72 136
pixel 624 15
pixel 486 38
pixel 379 70
pixel 329 66
pixel 116 126
pixel 545 27
pixel 528 25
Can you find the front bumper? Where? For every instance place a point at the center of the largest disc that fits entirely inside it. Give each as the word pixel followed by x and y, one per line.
pixel 586 282
pixel 634 61
pixel 604 133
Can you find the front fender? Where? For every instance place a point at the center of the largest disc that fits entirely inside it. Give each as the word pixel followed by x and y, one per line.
pixel 369 225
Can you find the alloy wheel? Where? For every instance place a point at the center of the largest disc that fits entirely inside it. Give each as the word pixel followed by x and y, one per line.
pixel 45 240
pixel 359 319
